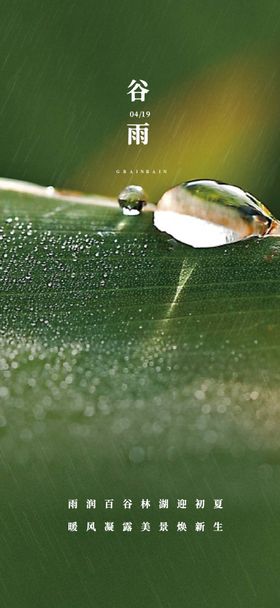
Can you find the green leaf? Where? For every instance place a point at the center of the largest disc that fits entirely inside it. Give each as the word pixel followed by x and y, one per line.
pixel 113 328
pixel 133 366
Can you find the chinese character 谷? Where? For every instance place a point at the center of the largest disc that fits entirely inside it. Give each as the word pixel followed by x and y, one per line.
pixel 139 134
pixel 127 503
pixel 138 90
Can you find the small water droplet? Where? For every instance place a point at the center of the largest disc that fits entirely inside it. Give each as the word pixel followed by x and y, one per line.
pixel 132 199
pixel 206 213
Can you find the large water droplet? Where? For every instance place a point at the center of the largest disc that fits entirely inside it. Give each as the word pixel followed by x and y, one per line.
pixel 206 213
pixel 132 199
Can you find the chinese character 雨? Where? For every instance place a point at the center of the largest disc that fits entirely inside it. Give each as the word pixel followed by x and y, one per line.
pixel 127 526
pixel 163 526
pixel 72 503
pixel 163 503
pixel 218 526
pixel 181 526
pixel 91 503
pixel 138 90
pixel 181 503
pixel 109 503
pixel 145 503
pixel 109 526
pixel 218 503
pixel 91 526
pixel 145 526
pixel 72 526
pixel 138 133
pixel 200 503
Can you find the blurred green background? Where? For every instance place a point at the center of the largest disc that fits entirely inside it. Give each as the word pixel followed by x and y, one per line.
pixel 195 407
pixel 213 74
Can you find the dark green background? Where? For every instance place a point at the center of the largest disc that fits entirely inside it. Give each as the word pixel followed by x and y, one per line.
pixel 213 74
pixel 109 323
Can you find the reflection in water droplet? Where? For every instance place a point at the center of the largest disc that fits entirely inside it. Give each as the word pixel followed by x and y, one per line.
pixel 206 213
pixel 132 199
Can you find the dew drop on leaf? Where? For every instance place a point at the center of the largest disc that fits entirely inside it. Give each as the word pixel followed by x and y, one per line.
pixel 207 213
